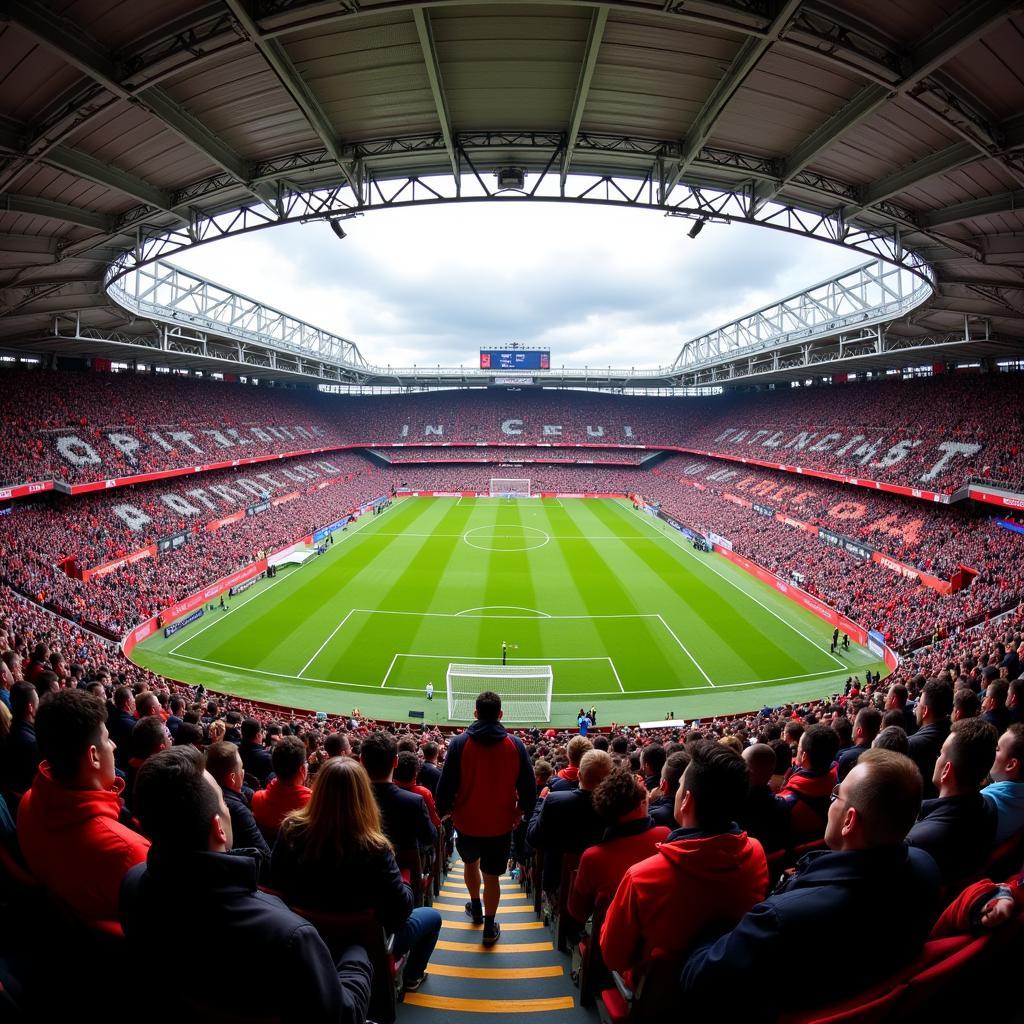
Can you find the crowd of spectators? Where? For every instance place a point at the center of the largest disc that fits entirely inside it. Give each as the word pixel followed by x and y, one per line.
pixel 903 794
pixel 523 455
pixel 889 430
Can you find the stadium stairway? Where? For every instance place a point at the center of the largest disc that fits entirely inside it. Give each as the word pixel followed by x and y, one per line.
pixel 522 974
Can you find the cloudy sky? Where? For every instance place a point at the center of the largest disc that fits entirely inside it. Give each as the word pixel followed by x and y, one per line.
pixel 599 286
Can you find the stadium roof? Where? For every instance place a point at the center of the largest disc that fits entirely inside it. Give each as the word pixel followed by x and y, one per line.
pixel 130 128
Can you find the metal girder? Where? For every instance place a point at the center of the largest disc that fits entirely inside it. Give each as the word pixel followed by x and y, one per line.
pixel 39 245
pixel 40 207
pixel 274 53
pixel 952 35
pixel 425 32
pixel 595 34
pixel 105 173
pixel 750 53
pixel 70 42
pixel 1004 202
pixel 716 203
pixel 871 294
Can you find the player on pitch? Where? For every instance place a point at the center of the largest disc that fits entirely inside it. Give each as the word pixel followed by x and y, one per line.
pixel 487 785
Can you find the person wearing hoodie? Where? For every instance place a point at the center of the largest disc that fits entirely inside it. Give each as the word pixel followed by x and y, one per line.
pixel 784 949
pixel 630 836
pixel 707 871
pixel 69 830
pixel 808 786
pixel 197 893
pixel 487 786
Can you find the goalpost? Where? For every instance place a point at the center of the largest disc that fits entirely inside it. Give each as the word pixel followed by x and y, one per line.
pixel 502 487
pixel 525 690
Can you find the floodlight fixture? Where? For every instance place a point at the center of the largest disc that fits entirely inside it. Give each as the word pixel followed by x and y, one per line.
pixel 696 228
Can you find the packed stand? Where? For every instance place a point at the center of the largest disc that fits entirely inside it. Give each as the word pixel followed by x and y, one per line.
pixel 933 433
pixel 699 854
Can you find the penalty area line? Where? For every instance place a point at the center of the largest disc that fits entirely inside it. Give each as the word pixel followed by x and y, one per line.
pixel 672 633
pixel 325 643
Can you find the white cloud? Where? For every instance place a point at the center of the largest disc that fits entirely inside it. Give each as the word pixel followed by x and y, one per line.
pixel 599 285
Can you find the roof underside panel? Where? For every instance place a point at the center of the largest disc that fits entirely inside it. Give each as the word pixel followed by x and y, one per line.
pixel 244 87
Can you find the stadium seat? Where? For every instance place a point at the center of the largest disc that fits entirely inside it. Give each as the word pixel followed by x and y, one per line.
pixel 563 923
pixel 943 963
pixel 410 863
pixel 653 999
pixel 589 971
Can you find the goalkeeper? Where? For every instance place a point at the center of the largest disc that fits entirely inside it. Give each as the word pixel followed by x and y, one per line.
pixel 487 786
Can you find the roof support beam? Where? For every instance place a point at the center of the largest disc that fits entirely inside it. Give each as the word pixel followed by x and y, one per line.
pixel 598 20
pixel 37 207
pixel 1004 202
pixel 743 63
pixel 954 34
pixel 1010 134
pixel 70 42
pixel 302 96
pixel 426 36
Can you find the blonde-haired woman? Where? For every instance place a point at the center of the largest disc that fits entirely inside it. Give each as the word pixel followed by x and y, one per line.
pixel 333 855
pixel 217 730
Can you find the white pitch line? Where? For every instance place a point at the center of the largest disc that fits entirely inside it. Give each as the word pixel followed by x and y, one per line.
pixel 474 657
pixel 521 618
pixel 615 672
pixel 682 547
pixel 672 632
pixel 324 644
pixel 386 674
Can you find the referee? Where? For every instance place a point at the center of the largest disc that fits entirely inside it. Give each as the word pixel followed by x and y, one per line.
pixel 504 653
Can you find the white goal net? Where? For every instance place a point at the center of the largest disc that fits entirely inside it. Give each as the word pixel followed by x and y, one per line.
pixel 525 690
pixel 509 488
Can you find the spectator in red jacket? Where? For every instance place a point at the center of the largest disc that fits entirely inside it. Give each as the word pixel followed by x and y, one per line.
pixel 68 827
pixel 487 785
pixel 707 870
pixel 631 836
pixel 285 793
pixel 809 786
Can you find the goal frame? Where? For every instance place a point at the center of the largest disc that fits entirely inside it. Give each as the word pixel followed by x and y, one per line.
pixel 510 487
pixel 520 707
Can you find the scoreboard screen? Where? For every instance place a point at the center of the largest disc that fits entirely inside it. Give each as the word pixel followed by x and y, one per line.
pixel 514 359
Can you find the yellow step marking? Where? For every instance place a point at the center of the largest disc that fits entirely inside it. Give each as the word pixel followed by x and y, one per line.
pixel 496 973
pixel 511 926
pixel 477 947
pixel 456 893
pixel 461 908
pixel 490 1005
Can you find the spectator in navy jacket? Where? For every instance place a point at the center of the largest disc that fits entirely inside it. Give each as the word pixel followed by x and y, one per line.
pixel 866 727
pixel 868 875
pixel 896 699
pixel 224 763
pixel 661 806
pixel 121 724
pixel 958 828
pixel 993 707
pixel 20 754
pixel 406 819
pixel 191 875
pixel 567 822
pixel 430 774
pixel 255 756
pixel 932 715
pixel 761 815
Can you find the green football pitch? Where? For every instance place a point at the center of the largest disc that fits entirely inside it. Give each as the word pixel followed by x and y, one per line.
pixel 627 614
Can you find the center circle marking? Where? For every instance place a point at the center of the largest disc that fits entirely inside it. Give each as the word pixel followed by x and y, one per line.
pixel 504 538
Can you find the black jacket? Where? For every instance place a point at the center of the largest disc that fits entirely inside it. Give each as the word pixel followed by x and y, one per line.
pixel 246 833
pixel 120 727
pixel 257 957
pixel 958 831
pixel 20 757
pixel 925 745
pixel 362 881
pixel 847 760
pixel 764 818
pixel 563 823
pixel 404 816
pixel 660 808
pixel 430 776
pixel 256 762
pixel 785 950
